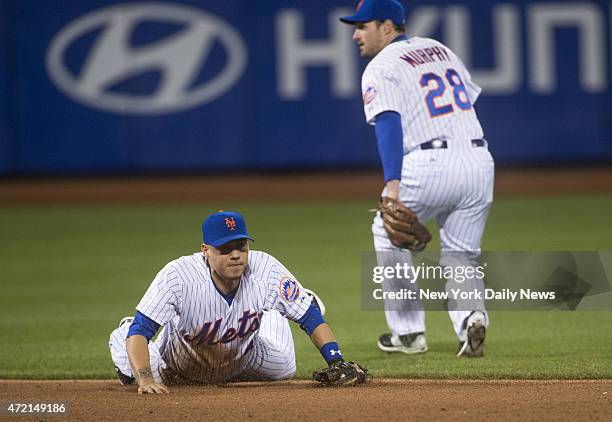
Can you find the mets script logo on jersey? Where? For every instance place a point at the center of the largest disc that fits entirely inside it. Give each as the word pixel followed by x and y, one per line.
pixel 369 93
pixel 209 333
pixel 112 71
pixel 289 289
pixel 230 223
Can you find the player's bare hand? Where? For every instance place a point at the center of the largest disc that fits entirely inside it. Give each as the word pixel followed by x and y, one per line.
pixel 153 388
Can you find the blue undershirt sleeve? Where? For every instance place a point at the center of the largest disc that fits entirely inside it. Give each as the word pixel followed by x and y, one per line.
pixel 390 141
pixel 311 319
pixel 144 326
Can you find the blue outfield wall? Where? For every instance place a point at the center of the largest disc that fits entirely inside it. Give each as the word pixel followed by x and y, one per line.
pixel 208 85
pixel 5 71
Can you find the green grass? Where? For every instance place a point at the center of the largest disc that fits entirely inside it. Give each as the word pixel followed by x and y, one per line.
pixel 68 274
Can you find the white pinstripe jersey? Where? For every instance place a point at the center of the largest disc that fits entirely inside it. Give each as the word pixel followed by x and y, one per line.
pixel 207 340
pixel 428 85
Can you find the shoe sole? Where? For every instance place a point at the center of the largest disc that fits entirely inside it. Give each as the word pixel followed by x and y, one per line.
pixel 463 349
pixel 405 350
pixel 125 320
pixel 475 340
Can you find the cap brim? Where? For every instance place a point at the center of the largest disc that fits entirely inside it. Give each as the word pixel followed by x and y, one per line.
pixel 223 240
pixel 353 19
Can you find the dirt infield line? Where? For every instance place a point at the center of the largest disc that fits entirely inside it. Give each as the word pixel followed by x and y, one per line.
pixel 286 187
pixel 383 399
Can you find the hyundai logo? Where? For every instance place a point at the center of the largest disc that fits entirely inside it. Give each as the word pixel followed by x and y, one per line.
pixel 178 58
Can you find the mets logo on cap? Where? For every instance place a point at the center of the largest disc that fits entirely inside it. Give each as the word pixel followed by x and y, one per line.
pixel 230 222
pixel 289 289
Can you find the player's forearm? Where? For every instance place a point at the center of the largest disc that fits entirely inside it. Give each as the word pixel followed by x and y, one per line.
pixel 323 338
pixel 322 335
pixel 138 353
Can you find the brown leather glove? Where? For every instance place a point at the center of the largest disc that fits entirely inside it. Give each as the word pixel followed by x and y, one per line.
pixel 402 225
pixel 341 374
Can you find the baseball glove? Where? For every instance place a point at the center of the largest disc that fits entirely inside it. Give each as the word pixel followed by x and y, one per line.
pixel 402 225
pixel 341 373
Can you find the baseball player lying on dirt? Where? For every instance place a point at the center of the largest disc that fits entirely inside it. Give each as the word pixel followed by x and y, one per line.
pixel 224 313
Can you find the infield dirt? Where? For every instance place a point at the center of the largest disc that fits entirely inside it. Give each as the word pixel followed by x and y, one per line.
pixel 382 399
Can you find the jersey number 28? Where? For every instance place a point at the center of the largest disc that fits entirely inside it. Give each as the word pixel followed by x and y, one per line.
pixel 437 89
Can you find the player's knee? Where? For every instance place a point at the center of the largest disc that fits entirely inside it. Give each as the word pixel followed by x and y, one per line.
pixel 286 369
pixel 116 344
pixel 291 370
pixel 285 374
pixel 116 340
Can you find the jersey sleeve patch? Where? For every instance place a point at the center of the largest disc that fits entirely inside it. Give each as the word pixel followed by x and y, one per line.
pixel 369 93
pixel 289 289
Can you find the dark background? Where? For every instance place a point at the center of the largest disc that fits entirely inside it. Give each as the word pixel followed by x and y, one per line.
pixel 252 126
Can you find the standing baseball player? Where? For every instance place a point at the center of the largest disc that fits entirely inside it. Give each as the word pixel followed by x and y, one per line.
pixel 224 313
pixel 420 99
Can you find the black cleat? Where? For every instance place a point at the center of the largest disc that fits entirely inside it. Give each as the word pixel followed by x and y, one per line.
pixel 124 379
pixel 476 331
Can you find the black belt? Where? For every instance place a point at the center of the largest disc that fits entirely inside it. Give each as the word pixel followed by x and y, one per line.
pixel 442 144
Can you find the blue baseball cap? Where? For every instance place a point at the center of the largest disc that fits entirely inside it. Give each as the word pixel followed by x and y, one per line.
pixel 377 10
pixel 222 227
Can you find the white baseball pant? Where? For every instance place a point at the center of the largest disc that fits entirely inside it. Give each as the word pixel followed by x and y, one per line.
pixel 454 186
